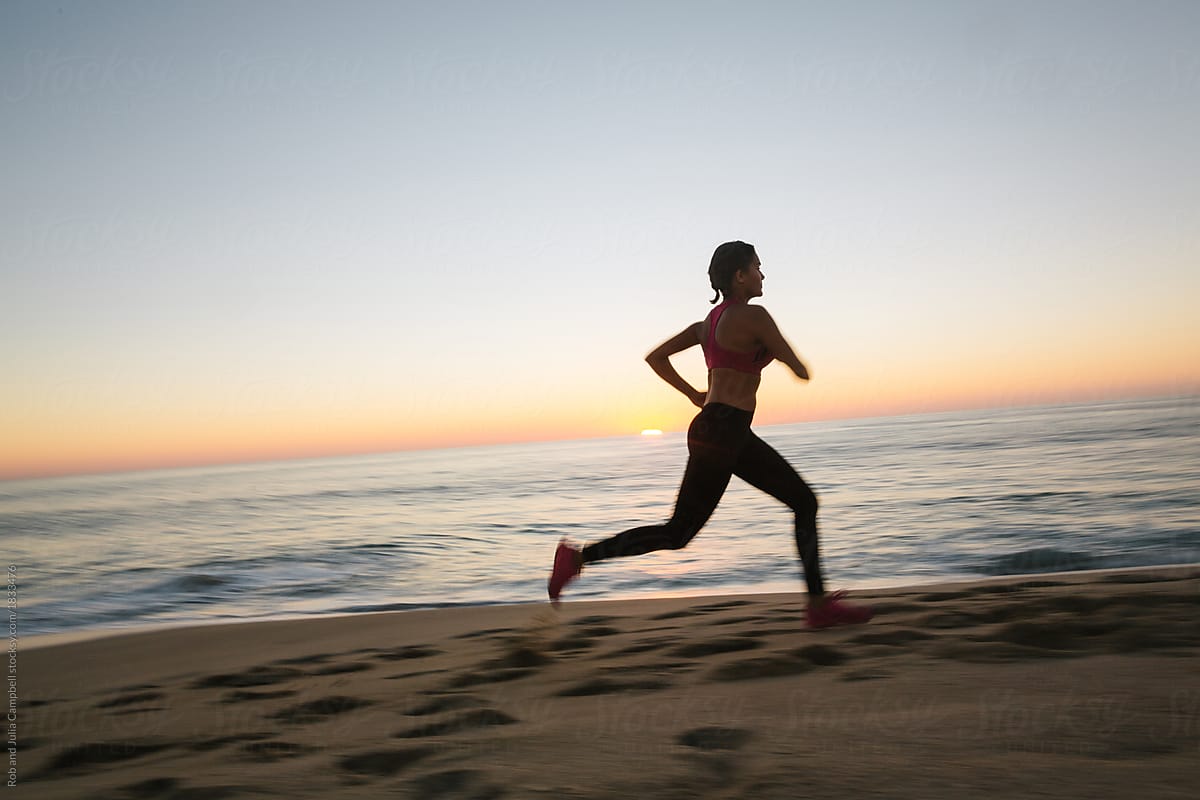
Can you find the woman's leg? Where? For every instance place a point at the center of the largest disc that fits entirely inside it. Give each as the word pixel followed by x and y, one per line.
pixel 763 468
pixel 715 438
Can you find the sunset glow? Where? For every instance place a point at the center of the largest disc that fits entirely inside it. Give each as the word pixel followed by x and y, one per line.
pixel 230 239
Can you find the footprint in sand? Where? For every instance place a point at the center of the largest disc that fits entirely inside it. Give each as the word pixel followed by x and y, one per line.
pixel 764 667
pixel 681 614
pixel 154 787
pixel 595 619
pixel 255 676
pixel 757 619
pixel 128 712
pixel 139 687
pixel 268 752
pixel 520 656
pixel 470 720
pixel 713 646
pixel 715 738
pixel 81 757
pixel 821 655
pixel 797 662
pixel 317 710
pixel 384 762
pixel 488 675
pixel 175 790
pixel 310 659
pixel 340 669
pixel 484 632
pixel 583 639
pixel 250 697
pixel 569 645
pixel 866 675
pixel 415 674
pixel 450 702
pixel 454 782
pixel 599 686
pixel 407 652
pixel 644 646
pixel 203 745
pixel 519 659
pixel 723 605
pixel 129 699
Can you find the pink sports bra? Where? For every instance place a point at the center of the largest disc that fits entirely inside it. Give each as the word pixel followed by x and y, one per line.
pixel 717 357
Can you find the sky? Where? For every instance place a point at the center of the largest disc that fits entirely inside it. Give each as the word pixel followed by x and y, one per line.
pixel 252 231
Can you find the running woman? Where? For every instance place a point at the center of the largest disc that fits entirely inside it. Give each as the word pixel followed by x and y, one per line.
pixel 738 340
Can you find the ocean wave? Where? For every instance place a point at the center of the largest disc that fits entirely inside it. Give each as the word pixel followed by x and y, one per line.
pixel 1011 498
pixel 194 582
pixel 1040 560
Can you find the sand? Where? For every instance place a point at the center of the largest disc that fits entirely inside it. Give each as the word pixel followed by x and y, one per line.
pixel 1084 685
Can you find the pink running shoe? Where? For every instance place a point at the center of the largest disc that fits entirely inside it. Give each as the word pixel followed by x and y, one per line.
pixel 836 611
pixel 566 568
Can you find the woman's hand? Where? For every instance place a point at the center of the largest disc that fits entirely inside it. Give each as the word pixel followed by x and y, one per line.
pixel 659 360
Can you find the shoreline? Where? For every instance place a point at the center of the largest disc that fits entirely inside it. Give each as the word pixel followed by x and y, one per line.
pixel 1011 687
pixel 42 640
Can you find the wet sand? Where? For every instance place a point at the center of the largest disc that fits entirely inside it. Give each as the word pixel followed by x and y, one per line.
pixel 1083 685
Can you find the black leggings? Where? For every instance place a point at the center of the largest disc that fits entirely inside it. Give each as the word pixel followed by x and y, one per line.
pixel 721 444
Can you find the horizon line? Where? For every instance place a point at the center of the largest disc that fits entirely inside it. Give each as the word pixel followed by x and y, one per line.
pixel 185 466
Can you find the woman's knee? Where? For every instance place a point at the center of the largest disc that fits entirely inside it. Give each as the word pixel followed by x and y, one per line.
pixel 680 532
pixel 805 501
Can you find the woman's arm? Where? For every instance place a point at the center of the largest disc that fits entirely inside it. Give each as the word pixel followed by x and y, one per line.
pixel 766 331
pixel 659 360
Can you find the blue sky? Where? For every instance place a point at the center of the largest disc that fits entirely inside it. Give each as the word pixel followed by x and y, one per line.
pixel 468 217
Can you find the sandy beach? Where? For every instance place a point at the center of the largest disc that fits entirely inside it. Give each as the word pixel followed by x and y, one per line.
pixel 1081 685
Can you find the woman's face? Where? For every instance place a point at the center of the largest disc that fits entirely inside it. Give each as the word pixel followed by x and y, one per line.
pixel 752 278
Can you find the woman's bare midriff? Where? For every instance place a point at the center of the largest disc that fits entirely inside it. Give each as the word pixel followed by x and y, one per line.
pixel 733 388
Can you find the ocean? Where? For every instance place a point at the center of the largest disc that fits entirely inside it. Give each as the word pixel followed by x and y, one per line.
pixel 904 500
